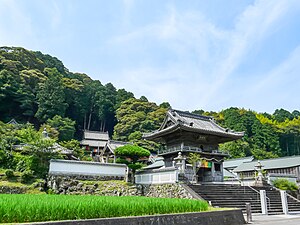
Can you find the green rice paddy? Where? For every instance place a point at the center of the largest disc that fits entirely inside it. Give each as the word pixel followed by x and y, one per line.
pixel 33 208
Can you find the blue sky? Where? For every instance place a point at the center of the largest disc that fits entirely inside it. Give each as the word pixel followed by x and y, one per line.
pixel 197 54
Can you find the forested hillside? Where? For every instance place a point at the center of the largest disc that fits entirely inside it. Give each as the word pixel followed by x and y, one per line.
pixel 37 88
pixel 266 135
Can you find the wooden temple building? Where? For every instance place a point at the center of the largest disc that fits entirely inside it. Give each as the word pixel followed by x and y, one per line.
pixel 182 133
pixel 100 146
pixel 94 141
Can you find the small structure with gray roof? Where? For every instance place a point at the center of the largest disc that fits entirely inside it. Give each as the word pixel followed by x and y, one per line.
pixel 109 150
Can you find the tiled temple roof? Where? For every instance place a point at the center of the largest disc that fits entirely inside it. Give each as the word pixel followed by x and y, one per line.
pixel 95 138
pixel 176 120
pixel 95 135
pixel 111 145
pixel 233 163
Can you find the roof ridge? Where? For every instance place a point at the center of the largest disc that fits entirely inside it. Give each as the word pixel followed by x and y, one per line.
pixel 247 157
pixel 191 115
pixel 95 131
pixel 121 142
pixel 284 157
pixel 271 159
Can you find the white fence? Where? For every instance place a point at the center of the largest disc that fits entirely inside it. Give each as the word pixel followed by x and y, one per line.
pixel 85 168
pixel 157 177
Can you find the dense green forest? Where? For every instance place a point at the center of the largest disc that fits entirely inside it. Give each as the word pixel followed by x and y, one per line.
pixel 36 88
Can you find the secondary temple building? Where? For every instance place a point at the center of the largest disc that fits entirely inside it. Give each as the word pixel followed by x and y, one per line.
pixel 100 146
pixel 182 133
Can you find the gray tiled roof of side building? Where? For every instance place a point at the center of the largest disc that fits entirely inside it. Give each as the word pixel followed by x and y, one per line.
pixel 233 163
pixel 277 163
pixel 112 145
pixel 95 135
pixel 93 143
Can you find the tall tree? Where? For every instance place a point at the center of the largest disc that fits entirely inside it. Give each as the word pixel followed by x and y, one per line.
pixel 281 115
pixel 137 115
pixel 106 100
pixel 51 96
pixel 65 127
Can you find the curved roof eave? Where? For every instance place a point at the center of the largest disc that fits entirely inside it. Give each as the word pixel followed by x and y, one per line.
pixel 236 135
pixel 157 133
pixel 175 127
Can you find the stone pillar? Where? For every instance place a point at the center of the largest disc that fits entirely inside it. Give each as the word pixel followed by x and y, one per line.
pixel 284 202
pixel 248 212
pixel 222 171
pixel 212 171
pixel 263 202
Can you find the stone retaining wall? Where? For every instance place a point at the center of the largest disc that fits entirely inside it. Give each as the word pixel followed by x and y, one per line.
pixel 164 191
pixel 227 217
pixel 75 185
pixel 13 190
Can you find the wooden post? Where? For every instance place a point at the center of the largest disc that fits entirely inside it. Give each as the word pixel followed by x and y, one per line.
pixel 249 213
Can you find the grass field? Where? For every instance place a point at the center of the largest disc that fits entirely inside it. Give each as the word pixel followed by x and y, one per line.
pixel 32 208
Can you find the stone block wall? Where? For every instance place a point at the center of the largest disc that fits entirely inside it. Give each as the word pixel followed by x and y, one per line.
pixel 164 191
pixel 76 185
pixel 13 190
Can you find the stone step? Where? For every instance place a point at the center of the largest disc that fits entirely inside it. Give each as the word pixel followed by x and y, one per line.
pixel 234 196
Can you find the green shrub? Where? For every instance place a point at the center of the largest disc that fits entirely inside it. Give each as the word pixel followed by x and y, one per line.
pixel 284 184
pixel 23 162
pixel 26 176
pixel 9 173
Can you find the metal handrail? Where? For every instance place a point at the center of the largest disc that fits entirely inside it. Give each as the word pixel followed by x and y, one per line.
pixel 291 196
pixel 268 199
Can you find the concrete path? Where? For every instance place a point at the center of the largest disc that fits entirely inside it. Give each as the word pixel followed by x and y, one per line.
pixel 291 219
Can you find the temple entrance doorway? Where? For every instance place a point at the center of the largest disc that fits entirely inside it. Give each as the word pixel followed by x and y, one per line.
pixel 204 175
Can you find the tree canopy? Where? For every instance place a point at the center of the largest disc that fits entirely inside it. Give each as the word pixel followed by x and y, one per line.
pixel 38 88
pixel 131 155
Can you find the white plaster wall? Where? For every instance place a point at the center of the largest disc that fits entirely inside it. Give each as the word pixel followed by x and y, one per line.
pixel 87 168
pixel 157 177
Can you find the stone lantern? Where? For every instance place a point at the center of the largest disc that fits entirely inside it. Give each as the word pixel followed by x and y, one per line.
pixel 259 180
pixel 180 162
pixel 45 133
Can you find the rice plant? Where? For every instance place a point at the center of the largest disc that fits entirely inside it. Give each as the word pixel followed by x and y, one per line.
pixel 33 208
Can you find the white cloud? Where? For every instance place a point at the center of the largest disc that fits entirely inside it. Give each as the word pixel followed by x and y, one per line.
pixel 128 5
pixel 285 75
pixel 201 58
pixel 15 26
pixel 55 15
pixel 253 26
pixel 207 55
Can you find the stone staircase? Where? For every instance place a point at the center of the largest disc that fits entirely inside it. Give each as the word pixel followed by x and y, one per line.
pixel 236 196
pixel 275 205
